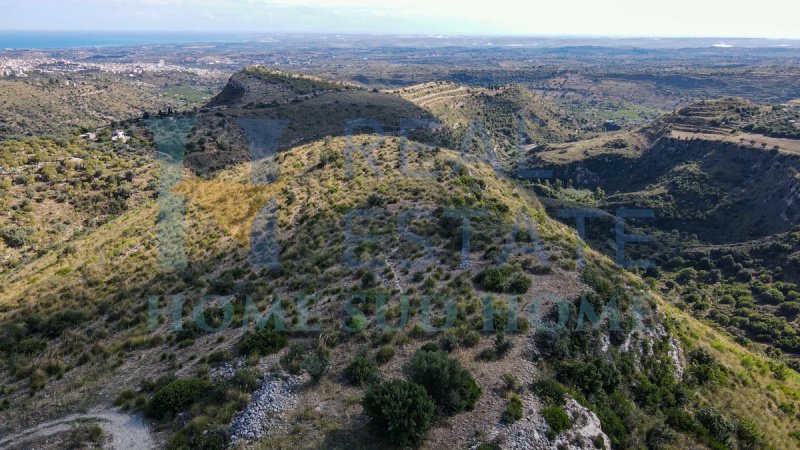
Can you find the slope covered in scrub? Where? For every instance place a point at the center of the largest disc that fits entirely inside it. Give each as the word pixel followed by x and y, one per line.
pixel 342 233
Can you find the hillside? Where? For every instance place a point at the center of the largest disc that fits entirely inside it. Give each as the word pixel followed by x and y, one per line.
pixel 45 106
pixel 75 327
pixel 725 211
pixel 695 168
pixel 271 111
pixel 53 190
pixel 511 116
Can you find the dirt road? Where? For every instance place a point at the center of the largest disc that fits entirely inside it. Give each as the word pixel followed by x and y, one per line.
pixel 124 431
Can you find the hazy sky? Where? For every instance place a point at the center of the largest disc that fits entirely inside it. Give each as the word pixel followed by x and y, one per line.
pixel 717 18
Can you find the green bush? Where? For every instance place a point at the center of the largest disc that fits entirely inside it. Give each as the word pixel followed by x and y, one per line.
pixel 362 371
pixel 400 410
pixel 550 392
pixel 488 446
pixel 750 436
pixel 212 439
pixel 513 410
pixel 449 384
pixel 125 396
pixel 704 368
pixel 658 437
pixel 263 342
pixel 557 419
pixel 506 279
pixel 718 425
pixel 384 355
pixel 502 345
pixel 680 420
pixel 176 396
pixel 471 339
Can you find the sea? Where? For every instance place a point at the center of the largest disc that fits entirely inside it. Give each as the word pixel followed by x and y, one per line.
pixel 17 40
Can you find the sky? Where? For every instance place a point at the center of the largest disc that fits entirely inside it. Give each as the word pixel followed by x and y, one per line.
pixel 674 18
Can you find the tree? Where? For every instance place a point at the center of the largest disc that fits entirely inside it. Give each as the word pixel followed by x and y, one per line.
pixel 400 410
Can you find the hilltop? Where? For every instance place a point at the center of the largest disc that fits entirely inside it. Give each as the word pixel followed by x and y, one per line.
pixel 271 111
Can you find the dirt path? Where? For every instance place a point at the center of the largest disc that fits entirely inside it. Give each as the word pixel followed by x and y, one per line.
pixel 125 431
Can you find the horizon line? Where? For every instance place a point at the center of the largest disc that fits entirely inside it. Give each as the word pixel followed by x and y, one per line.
pixel 399 34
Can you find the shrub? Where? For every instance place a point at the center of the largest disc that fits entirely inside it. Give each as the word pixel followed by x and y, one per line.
pixel 449 341
pixel 660 436
pixel 718 425
pixel 316 365
pixel 176 396
pixel 263 342
pixel 400 410
pixel 16 237
pixel 680 420
pixel 471 339
pixel 62 320
pixel 31 346
pixel 218 358
pixel 449 384
pixel 124 397
pixel 247 380
pixel 362 371
pixel 750 436
pixel 429 347
pixel 773 296
pixel 502 345
pixel 80 435
pixel 703 368
pixel 487 354
pixel 293 359
pixel 557 419
pixel 513 410
pixel 550 392
pixel 488 446
pixel 789 309
pixel 591 377
pixel 384 355
pixel 511 383
pixel 506 279
pixel 211 439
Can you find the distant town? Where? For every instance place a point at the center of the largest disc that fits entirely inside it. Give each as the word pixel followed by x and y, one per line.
pixel 23 67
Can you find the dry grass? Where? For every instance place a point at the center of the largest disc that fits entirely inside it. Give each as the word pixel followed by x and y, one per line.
pixel 753 390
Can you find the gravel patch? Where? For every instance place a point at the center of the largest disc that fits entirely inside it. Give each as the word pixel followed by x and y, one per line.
pixel 530 432
pixel 263 415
